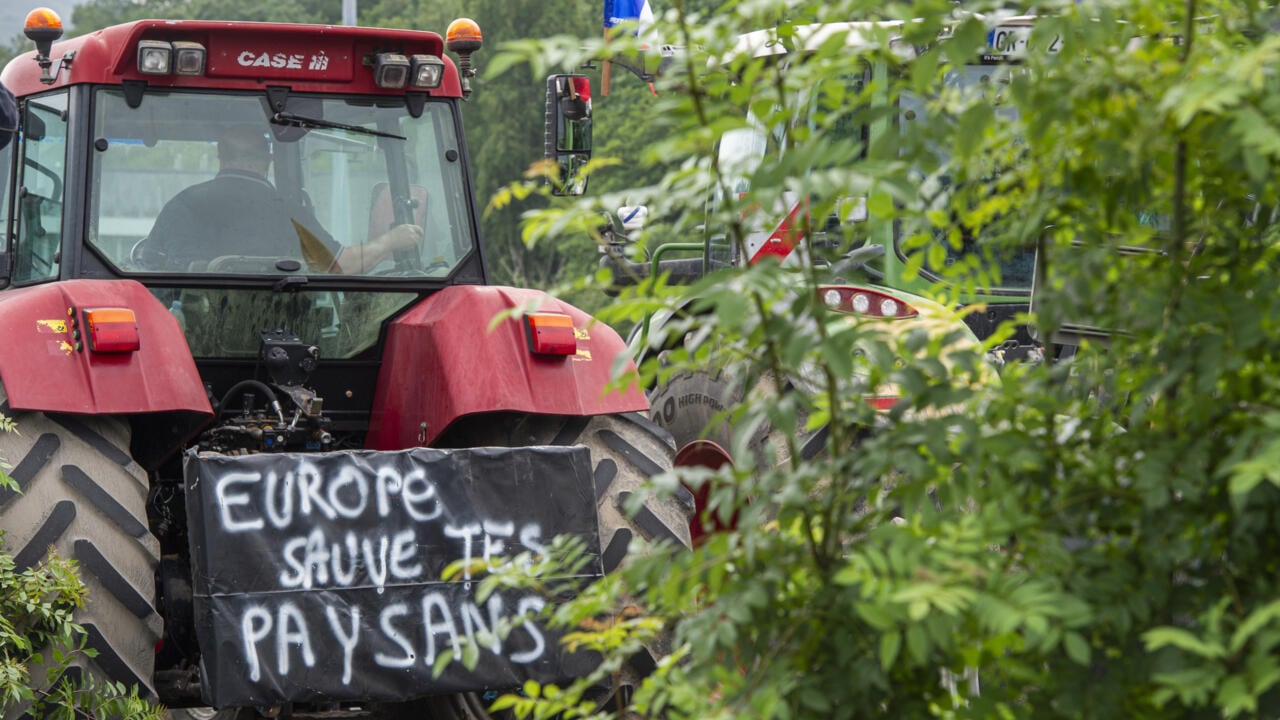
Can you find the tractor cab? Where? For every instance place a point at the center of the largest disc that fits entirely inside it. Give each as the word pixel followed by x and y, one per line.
pixel 316 183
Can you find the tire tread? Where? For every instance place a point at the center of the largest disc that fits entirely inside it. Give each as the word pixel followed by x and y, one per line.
pixel 85 498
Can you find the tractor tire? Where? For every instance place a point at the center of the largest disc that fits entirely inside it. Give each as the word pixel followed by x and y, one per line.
pixel 83 497
pixel 626 450
pixel 688 406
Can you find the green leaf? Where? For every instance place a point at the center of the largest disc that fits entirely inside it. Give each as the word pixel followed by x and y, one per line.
pixel 1234 697
pixel 879 203
pixel 504 702
pixel 877 616
pixel 1263 617
pixel 924 71
pixel 442 662
pixel 1247 474
pixel 470 655
pixel 1077 648
pixel 1256 131
pixel 918 609
pixel 917 644
pixel 815 700
pixel 1204 95
pixel 973 125
pixel 890 644
pixel 1183 640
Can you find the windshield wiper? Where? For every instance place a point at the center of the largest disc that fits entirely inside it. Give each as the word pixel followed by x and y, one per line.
pixel 302 121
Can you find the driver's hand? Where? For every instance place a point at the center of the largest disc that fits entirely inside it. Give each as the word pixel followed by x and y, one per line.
pixel 402 237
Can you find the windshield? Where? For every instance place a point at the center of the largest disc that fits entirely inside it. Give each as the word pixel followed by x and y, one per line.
pixel 205 183
pixel 1014 266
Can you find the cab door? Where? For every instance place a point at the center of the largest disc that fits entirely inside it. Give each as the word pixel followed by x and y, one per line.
pixel 35 248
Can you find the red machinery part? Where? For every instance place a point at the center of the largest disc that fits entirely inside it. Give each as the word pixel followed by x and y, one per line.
pixel 46 363
pixel 709 455
pixel 306 58
pixel 443 361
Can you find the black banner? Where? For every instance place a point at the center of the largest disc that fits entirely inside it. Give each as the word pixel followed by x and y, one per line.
pixel 318 577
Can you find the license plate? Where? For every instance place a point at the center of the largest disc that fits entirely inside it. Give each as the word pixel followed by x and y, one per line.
pixel 1013 42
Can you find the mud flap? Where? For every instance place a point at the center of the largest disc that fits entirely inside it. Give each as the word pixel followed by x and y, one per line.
pixel 320 577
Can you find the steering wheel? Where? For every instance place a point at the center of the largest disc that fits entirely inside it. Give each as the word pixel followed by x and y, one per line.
pixel 398 271
pixel 437 265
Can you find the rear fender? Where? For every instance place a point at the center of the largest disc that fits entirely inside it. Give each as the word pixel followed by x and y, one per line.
pixel 43 371
pixel 443 362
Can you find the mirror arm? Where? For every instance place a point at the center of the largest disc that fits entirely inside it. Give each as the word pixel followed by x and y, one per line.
pixel 639 73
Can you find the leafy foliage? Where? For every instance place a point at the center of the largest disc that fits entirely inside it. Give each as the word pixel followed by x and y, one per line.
pixel 1091 537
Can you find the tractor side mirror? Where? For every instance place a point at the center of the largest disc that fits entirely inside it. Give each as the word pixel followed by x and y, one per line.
pixel 568 131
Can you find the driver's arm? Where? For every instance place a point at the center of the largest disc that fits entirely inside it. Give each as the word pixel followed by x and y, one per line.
pixel 359 259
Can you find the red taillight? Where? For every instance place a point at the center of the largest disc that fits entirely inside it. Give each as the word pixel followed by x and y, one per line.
pixel 550 333
pixel 863 301
pixel 111 330
pixel 882 403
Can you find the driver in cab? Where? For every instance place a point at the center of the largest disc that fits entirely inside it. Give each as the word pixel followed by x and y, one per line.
pixel 240 213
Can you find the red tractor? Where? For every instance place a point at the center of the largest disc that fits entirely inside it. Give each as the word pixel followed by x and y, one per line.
pixel 264 390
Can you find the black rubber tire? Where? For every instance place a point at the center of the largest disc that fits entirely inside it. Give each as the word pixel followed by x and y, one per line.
pixel 689 406
pixel 84 496
pixel 626 450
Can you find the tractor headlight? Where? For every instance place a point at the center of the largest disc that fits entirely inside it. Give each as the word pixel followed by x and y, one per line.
pixel 391 70
pixel 188 58
pixel 425 71
pixel 154 56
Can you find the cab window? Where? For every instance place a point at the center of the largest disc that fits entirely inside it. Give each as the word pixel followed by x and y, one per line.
pixel 40 185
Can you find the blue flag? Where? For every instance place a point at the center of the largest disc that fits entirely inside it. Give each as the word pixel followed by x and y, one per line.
pixel 620 11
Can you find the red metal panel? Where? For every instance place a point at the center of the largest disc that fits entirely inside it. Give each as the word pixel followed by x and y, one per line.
pixel 304 57
pixel 307 58
pixel 442 362
pixel 42 370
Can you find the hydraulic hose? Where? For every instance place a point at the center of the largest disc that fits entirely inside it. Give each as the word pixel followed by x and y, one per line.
pixel 258 385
